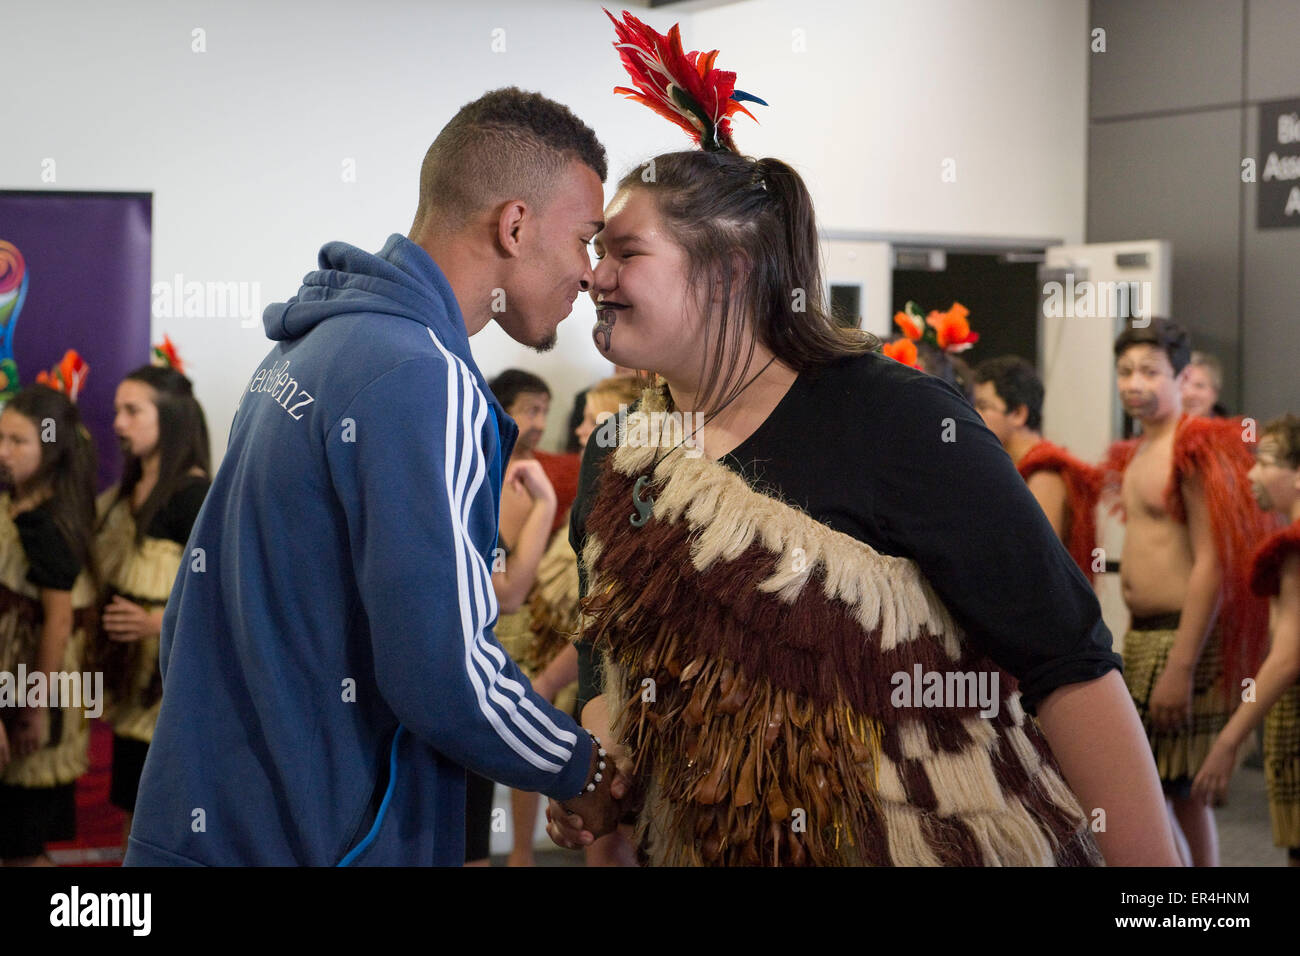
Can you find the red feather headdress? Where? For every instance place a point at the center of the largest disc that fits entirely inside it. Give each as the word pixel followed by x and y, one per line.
pixel 684 88
pixel 66 377
pixel 166 355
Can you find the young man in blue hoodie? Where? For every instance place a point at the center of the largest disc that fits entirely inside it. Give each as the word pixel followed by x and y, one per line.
pixel 327 652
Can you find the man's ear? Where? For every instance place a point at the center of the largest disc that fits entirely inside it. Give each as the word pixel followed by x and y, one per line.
pixel 1018 416
pixel 513 220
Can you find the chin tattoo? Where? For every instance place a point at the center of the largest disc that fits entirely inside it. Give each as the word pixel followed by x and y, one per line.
pixel 604 329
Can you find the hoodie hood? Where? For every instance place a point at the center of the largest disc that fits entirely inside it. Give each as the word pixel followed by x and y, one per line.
pixel 400 280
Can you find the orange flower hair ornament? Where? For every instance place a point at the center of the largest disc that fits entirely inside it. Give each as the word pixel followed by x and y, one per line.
pixel 66 377
pixel 684 88
pixel 902 350
pixel 165 355
pixel 948 331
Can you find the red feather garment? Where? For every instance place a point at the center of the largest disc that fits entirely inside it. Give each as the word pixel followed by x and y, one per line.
pixel 1266 567
pixel 1216 451
pixel 1082 491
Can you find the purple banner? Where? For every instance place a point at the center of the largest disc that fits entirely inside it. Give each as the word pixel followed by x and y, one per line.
pixel 75 274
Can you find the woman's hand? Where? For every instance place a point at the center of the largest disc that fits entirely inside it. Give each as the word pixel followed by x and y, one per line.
pixel 126 621
pixel 30 731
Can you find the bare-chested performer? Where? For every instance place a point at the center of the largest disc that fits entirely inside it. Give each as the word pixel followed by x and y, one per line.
pixel 1191 524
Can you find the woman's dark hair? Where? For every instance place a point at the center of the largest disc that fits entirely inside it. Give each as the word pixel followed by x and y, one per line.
pixel 182 441
pixel 951 368
pixel 68 464
pixel 748 229
pixel 579 412
pixel 1017 383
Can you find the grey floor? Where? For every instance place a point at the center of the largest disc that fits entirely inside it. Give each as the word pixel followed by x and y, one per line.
pixel 1245 836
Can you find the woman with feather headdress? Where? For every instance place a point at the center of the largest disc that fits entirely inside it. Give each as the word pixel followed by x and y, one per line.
pixel 782 604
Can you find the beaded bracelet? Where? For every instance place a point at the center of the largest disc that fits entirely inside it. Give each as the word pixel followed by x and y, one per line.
pixel 600 763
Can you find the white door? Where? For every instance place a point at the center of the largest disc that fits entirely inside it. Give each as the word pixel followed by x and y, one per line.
pixel 1087 293
pixel 868 267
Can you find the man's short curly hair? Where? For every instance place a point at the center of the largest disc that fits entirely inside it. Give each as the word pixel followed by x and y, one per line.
pixel 1168 336
pixel 508 143
pixel 1017 383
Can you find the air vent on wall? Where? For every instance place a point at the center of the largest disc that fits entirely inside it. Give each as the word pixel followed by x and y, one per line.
pixel 921 260
pixel 1132 260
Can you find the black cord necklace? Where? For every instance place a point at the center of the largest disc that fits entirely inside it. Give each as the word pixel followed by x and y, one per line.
pixel 645 505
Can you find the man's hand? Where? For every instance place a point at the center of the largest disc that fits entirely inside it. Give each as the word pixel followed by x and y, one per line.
pixel 527 477
pixel 1171 698
pixel 596 812
pixel 576 823
pixel 127 621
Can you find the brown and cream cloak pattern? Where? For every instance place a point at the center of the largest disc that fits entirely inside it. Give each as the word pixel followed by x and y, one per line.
pixel 749 659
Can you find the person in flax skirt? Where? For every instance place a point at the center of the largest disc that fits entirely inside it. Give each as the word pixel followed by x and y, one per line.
pixel 1275 690
pixel 144 524
pixel 47 599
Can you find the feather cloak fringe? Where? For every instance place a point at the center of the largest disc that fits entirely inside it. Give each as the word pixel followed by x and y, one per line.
pixel 750 653
pixel 1082 491
pixel 1270 556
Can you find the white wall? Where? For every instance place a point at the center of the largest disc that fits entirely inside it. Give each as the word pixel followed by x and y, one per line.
pixel 243 145
pixel 868 98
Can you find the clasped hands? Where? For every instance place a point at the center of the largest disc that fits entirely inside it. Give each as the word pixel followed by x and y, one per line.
pixel 126 621
pixel 578 822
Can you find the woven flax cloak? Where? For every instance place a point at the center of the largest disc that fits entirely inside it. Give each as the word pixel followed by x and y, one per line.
pixel 65 757
pixel 143 574
pixel 749 654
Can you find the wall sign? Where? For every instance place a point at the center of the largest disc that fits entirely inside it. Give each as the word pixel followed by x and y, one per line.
pixel 1279 164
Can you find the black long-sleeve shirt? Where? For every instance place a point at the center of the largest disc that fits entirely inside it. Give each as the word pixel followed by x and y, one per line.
pixel 900 461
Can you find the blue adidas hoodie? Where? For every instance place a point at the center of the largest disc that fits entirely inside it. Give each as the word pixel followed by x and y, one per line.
pixel 327 652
